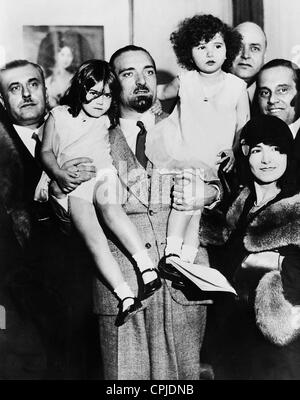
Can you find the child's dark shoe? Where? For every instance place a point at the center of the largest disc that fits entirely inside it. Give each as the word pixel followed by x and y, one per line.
pixel 152 286
pixel 168 271
pixel 124 315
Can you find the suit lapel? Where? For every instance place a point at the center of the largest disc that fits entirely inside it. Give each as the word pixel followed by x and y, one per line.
pixel 297 146
pixel 32 170
pixel 130 172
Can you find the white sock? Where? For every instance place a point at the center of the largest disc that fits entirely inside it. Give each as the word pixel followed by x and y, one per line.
pixel 123 290
pixel 188 253
pixel 144 262
pixel 174 244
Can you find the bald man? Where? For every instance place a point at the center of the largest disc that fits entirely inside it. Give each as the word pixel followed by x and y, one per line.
pixel 252 55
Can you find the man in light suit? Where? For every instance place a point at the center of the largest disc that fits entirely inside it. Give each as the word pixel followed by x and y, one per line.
pixel 163 340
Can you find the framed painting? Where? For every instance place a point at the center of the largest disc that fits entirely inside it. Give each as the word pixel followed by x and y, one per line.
pixel 59 50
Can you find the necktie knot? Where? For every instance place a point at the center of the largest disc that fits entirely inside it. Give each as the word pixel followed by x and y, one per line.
pixel 35 137
pixel 141 125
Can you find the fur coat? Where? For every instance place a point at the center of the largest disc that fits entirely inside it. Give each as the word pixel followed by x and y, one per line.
pixel 12 182
pixel 274 227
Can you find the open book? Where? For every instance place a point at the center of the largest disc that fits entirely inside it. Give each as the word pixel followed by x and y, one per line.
pixel 206 278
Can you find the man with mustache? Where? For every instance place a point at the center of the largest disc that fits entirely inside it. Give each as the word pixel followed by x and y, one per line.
pixel 29 242
pixel 252 55
pixel 278 94
pixel 163 340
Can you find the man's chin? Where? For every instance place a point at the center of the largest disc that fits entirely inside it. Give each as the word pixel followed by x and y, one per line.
pixel 142 104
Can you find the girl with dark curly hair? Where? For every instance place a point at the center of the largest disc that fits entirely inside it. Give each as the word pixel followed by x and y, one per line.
pixel 203 128
pixel 80 128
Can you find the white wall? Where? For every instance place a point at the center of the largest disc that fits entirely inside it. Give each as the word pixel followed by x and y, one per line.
pixel 282 26
pixel 153 22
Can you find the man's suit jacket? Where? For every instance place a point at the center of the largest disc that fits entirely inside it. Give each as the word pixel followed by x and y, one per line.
pixel 19 175
pixel 163 341
pixel 297 151
pixel 148 206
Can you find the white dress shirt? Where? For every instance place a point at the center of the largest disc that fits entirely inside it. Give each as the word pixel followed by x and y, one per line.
pixel 25 135
pixel 294 127
pixel 131 130
pixel 251 90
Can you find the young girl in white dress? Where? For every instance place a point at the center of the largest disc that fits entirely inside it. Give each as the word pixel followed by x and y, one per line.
pixel 205 124
pixel 80 128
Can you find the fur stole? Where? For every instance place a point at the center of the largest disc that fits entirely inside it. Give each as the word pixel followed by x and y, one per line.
pixel 275 316
pixel 276 226
pixel 11 185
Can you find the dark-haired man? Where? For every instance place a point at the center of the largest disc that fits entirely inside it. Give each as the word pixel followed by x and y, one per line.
pixel 278 94
pixel 163 340
pixel 29 241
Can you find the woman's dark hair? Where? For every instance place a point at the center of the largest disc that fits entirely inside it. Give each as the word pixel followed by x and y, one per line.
pixel 53 42
pixel 191 31
pixel 88 75
pixel 271 131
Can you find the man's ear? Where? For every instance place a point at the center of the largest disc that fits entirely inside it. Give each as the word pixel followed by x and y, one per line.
pixel 296 104
pixel 47 98
pixel 2 101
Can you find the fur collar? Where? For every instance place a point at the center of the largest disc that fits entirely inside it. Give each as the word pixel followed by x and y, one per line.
pixel 274 314
pixel 277 225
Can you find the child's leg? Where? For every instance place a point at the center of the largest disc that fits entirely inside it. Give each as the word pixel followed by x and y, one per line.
pixel 177 225
pixel 108 198
pixel 191 239
pixel 85 219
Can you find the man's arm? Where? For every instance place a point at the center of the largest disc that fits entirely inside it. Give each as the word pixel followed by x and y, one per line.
pixel 168 90
pixel 83 167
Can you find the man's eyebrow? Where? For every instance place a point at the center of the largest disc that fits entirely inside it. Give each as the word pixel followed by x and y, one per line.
pixel 133 69
pixel 13 84
pixel 255 44
pixel 29 81
pixel 126 69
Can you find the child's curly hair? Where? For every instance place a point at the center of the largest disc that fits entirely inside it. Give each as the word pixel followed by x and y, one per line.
pixel 191 31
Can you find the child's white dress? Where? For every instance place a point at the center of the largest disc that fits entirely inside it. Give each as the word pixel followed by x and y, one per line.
pixel 82 137
pixel 198 128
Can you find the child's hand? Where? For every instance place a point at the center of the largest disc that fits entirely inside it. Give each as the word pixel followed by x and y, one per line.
pixel 67 180
pixel 156 109
pixel 226 154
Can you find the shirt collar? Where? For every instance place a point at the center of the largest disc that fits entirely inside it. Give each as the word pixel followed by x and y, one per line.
pixel 24 130
pixel 251 90
pixel 294 127
pixel 148 119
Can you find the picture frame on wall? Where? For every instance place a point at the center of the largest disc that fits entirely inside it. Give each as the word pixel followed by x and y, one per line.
pixel 60 50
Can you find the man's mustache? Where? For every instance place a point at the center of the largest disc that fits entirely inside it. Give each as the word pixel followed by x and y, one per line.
pixel 140 87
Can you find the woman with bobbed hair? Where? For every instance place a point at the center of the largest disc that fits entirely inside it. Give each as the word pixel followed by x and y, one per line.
pixel 262 246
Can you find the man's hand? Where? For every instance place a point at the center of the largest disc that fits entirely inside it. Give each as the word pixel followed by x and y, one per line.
pixel 156 108
pixel 229 156
pixel 81 168
pixel 184 201
pixel 66 180
pixel 268 260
